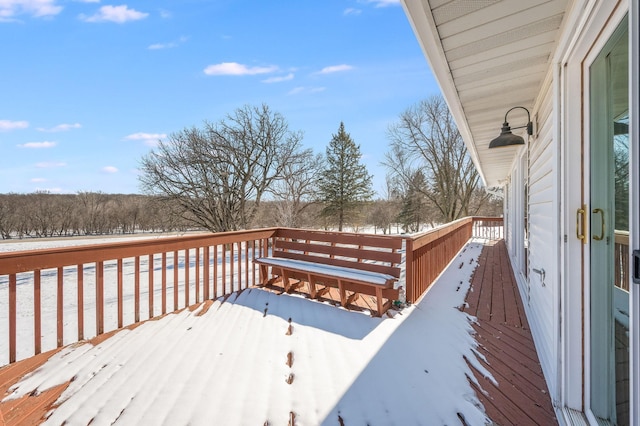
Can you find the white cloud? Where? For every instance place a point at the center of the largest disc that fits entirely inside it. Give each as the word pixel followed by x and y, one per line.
pixel 38 180
pixel 37 8
pixel 351 11
pixel 149 139
pixel 335 68
pixel 44 144
pixel 61 127
pixel 279 79
pixel 383 3
pixel 110 169
pixel 234 68
pixel 306 90
pixel 50 164
pixel 119 14
pixel 158 46
pixel 6 125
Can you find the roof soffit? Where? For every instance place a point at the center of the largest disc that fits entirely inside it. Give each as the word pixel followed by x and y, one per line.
pixel 489 56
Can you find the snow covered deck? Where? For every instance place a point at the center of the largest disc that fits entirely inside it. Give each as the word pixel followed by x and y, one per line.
pixel 262 358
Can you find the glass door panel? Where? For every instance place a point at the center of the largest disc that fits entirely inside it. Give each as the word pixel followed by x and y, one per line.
pixel 609 183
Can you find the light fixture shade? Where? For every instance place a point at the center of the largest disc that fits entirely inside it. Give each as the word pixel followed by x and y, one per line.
pixel 506 138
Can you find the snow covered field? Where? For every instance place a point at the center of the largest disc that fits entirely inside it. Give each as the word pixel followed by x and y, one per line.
pixel 259 357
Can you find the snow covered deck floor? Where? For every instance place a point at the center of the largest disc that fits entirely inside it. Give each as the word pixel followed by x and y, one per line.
pixel 263 358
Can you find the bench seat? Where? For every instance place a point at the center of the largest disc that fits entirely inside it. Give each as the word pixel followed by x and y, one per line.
pixel 337 272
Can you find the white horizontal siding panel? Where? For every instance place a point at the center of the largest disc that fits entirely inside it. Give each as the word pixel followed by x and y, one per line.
pixel 541 175
pixel 543 235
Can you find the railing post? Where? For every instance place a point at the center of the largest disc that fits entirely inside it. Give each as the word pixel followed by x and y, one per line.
pixel 99 298
pixel 136 290
pixel 176 279
pixel 37 311
pixel 60 307
pixel 408 273
pixel 186 277
pixel 205 278
pixel 197 278
pixel 150 283
pixel 120 293
pixel 163 286
pixel 13 314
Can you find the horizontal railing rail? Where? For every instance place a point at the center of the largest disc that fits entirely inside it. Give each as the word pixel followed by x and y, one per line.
pixel 53 297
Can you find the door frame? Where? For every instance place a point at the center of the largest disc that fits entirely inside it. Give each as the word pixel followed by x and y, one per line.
pixel 599 182
pixel 586 33
pixel 634 190
pixel 606 32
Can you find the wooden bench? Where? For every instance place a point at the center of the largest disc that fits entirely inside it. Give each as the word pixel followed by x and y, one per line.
pixel 354 263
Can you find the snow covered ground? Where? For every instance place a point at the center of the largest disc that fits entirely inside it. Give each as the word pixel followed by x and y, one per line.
pixel 258 357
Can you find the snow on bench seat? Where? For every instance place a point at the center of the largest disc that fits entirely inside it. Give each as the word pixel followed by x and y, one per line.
pixel 337 272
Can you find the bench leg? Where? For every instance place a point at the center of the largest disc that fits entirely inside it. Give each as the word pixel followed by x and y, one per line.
pixel 312 286
pixel 343 294
pixel 285 281
pixel 379 300
pixel 263 274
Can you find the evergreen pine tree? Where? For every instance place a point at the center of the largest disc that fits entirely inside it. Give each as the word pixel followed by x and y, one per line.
pixel 345 183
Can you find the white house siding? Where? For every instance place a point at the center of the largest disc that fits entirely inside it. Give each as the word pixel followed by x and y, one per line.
pixel 514 215
pixel 544 238
pixel 540 298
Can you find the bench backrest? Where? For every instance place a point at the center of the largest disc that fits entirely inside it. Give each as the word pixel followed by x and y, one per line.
pixel 374 253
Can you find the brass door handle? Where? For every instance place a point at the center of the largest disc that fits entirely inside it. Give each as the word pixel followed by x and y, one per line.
pixel 601 236
pixel 580 224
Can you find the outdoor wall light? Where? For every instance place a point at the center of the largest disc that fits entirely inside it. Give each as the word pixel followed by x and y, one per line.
pixel 507 138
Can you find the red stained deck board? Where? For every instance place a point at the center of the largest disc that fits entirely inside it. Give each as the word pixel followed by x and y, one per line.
pixel 516 375
pixel 502 331
pixel 509 339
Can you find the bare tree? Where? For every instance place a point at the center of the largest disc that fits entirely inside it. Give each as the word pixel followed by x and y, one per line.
pixel 426 138
pixel 92 212
pixel 8 223
pixel 297 188
pixel 219 174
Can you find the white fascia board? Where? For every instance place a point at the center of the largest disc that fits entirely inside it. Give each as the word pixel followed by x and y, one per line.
pixel 424 27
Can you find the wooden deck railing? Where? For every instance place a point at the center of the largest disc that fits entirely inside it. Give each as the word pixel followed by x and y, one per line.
pixel 173 272
pixel 429 253
pixel 74 293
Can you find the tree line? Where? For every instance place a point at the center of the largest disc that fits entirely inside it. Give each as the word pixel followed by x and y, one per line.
pixel 249 169
pixel 42 214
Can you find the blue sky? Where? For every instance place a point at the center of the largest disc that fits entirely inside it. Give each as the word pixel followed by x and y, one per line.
pixel 88 87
